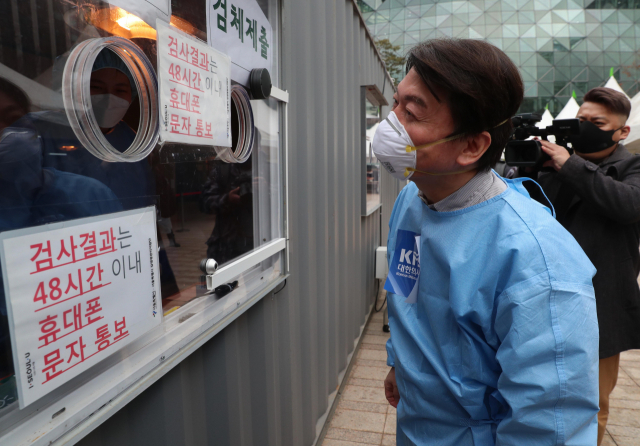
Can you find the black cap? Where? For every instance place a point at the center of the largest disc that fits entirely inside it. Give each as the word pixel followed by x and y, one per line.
pixel 260 83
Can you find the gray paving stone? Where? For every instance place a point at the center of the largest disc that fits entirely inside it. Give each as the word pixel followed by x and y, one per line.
pixel 360 421
pixel 354 436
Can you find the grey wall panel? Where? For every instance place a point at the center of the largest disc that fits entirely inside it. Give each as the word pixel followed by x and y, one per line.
pixel 266 378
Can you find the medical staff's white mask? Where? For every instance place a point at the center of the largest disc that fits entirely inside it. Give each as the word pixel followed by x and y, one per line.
pixel 394 148
pixel 109 109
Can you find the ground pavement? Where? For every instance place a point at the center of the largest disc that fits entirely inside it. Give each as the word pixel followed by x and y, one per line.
pixel 363 416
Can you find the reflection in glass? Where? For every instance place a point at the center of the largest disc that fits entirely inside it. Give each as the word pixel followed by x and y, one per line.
pixel 559 47
pixel 228 194
pixel 112 92
pixel 14 104
pixel 33 194
pixel 373 165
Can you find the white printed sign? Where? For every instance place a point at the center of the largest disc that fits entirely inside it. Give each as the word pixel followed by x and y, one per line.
pixel 77 292
pixel 239 27
pixel 147 10
pixel 194 90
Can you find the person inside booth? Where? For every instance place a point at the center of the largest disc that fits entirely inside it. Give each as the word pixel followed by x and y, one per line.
pixel 112 91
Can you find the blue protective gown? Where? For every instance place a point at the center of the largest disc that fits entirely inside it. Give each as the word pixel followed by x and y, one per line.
pixel 501 346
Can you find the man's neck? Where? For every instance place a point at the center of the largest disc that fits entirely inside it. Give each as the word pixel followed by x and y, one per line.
pixel 599 157
pixel 437 188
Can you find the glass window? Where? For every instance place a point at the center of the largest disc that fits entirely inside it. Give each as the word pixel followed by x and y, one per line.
pixel 371 101
pixel 372 117
pixel 205 207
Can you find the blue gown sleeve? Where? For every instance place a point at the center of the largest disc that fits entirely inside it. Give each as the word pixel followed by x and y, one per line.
pixel 549 359
pixel 391 357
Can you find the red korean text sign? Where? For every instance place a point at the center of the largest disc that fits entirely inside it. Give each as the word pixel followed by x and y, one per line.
pixel 76 293
pixel 194 90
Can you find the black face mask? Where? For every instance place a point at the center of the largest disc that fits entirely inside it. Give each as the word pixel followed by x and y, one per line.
pixel 592 139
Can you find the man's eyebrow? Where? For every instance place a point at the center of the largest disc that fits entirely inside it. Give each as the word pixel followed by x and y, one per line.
pixel 603 118
pixel 416 100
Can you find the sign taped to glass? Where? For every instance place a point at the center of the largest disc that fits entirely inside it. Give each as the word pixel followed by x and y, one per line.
pixel 76 293
pixel 239 27
pixel 194 90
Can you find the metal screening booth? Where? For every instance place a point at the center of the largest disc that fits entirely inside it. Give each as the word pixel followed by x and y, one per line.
pixel 189 213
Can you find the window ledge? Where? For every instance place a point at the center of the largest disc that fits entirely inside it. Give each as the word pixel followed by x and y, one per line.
pixel 372 209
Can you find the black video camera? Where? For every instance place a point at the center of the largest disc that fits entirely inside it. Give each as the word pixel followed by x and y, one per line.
pixel 522 153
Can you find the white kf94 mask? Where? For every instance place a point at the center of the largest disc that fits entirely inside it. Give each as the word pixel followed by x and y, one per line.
pixel 389 144
pixel 109 109
pixel 392 145
pixel 394 148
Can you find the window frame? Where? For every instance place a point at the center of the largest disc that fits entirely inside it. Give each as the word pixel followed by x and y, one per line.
pixel 372 94
pixel 72 411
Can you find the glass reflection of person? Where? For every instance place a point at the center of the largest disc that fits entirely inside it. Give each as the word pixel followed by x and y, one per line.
pixel 14 104
pixel 112 91
pixel 228 193
pixel 31 195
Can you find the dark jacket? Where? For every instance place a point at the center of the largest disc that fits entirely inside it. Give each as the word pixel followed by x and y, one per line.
pixel 232 234
pixel 600 206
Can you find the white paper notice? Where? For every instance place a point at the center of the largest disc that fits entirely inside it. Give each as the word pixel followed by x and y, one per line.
pixel 77 292
pixel 195 90
pixel 147 10
pixel 239 27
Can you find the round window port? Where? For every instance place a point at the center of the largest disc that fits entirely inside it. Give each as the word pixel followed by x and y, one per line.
pixel 79 105
pixel 242 128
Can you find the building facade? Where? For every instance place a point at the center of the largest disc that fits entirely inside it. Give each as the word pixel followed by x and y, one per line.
pixel 560 46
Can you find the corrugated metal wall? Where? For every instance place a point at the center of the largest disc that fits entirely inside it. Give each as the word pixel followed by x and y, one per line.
pixel 266 378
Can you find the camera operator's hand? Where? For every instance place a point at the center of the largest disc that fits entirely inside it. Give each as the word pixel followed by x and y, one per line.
pixel 234 196
pixel 558 154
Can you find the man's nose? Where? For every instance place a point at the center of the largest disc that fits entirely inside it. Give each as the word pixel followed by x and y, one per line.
pixel 400 114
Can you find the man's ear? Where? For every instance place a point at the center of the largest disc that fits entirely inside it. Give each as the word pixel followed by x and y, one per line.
pixel 624 132
pixel 475 147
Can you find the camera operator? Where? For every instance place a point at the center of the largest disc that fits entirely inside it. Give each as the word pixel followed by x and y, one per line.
pixel 596 194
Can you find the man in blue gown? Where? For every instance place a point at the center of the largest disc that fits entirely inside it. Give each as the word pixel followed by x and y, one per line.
pixel 494 334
